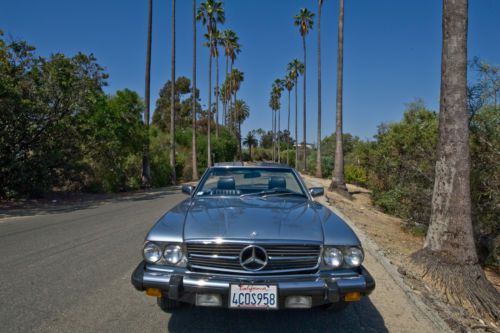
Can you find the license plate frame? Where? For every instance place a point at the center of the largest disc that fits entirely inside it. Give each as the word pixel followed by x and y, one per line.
pixel 235 290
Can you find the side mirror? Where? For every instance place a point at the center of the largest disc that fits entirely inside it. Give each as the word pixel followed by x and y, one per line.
pixel 187 189
pixel 316 191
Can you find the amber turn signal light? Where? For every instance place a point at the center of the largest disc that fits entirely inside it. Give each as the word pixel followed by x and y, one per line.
pixel 153 292
pixel 354 296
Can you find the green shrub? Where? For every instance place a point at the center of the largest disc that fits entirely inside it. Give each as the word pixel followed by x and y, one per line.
pixel 355 175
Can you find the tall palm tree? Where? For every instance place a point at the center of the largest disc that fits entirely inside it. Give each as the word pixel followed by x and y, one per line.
pixel 318 139
pixel 193 145
pixel 338 181
pixel 215 54
pixel 304 20
pixel 449 248
pixel 278 88
pixel 172 101
pixel 250 141
pixel 237 77
pixel 296 68
pixel 210 13
pixel 273 104
pixel 229 41
pixel 236 49
pixel 289 84
pixel 241 112
pixel 146 169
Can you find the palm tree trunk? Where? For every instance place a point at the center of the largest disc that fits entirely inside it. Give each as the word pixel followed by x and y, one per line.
pixel 305 115
pixel 278 135
pixel 231 111
pixel 172 101
pixel 449 245
pixel 338 182
pixel 193 145
pixel 288 130
pixel 146 169
pixel 274 134
pixel 217 96
pixel 209 109
pixel 296 127
pixel 225 94
pixel 318 139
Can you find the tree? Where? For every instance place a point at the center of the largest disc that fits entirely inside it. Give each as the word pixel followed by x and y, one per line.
pixel 172 101
pixel 449 249
pixel 236 77
pixel 229 40
pixel 304 20
pixel 277 89
pixel 318 140
pixel 296 68
pixel 338 181
pixel 146 169
pixel 194 160
pixel 210 13
pixel 183 105
pixel 289 84
pixel 241 111
pixel 250 141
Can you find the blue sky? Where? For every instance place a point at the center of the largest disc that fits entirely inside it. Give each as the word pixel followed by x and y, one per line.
pixel 392 49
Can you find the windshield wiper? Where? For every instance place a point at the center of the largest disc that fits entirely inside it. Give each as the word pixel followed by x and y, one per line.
pixel 273 192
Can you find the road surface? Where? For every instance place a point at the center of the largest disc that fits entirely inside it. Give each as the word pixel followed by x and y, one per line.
pixel 70 271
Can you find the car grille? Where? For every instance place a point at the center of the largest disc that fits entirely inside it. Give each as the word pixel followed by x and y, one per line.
pixel 226 258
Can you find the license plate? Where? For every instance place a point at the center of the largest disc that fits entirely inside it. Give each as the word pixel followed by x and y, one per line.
pixel 252 296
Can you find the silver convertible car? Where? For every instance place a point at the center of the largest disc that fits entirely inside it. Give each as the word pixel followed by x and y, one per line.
pixel 252 237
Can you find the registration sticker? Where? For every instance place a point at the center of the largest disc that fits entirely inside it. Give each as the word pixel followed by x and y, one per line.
pixel 253 296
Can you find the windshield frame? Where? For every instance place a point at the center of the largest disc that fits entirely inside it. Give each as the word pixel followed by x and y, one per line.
pixel 207 172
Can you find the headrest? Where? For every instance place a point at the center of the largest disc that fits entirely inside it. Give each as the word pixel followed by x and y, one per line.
pixel 277 182
pixel 226 183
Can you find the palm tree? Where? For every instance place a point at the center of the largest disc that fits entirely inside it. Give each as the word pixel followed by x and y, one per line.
pixel 277 89
pixel 236 77
pixel 338 181
pixel 318 150
pixel 304 20
pixel 449 248
pixel 215 53
pixel 289 84
pixel 229 40
pixel 146 170
pixel 273 104
pixel 172 101
pixel 210 13
pixel 241 112
pixel 296 68
pixel 250 141
pixel 193 146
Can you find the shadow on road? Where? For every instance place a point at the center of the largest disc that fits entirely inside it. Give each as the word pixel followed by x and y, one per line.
pixel 64 203
pixel 359 317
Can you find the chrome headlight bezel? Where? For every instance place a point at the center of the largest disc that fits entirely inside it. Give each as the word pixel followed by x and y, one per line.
pixel 353 256
pixel 173 254
pixel 349 257
pixel 332 257
pixel 152 252
pixel 166 254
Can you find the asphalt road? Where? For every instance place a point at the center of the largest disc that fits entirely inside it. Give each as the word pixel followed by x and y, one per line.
pixel 70 271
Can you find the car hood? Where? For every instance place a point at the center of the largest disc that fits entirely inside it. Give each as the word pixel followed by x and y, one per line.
pixel 256 218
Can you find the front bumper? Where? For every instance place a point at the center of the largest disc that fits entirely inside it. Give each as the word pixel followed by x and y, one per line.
pixel 182 285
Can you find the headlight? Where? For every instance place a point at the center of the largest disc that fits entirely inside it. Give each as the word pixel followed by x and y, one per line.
pixel 333 257
pixel 353 256
pixel 173 254
pixel 152 252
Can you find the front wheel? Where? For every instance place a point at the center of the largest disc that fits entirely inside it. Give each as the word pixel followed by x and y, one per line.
pixel 167 305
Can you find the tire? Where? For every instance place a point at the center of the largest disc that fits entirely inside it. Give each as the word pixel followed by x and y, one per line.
pixel 336 307
pixel 167 305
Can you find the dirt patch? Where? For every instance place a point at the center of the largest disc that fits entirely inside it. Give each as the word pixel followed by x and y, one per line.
pixel 397 245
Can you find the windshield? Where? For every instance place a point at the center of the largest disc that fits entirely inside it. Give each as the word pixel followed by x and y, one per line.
pixel 250 181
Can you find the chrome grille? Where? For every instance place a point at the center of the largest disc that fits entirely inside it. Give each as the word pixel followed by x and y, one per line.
pixel 226 258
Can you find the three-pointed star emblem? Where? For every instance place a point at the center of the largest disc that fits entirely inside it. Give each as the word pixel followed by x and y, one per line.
pixel 253 258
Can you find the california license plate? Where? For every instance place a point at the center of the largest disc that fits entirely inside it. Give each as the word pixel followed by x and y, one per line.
pixel 252 296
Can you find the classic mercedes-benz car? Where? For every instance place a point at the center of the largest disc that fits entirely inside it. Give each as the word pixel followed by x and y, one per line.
pixel 252 237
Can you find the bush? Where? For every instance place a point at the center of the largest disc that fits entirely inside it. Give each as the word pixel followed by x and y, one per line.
pixel 355 175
